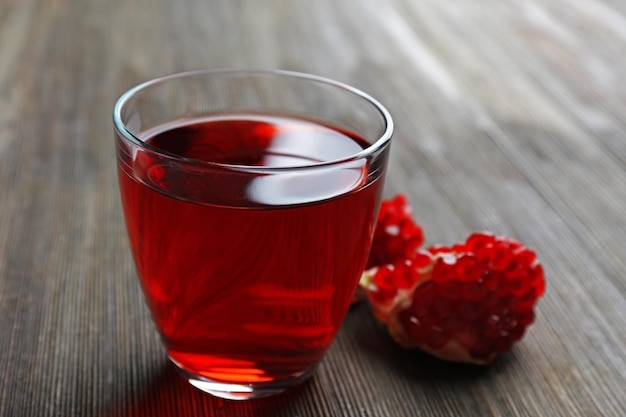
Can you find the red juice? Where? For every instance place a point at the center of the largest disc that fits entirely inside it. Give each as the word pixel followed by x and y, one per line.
pixel 248 274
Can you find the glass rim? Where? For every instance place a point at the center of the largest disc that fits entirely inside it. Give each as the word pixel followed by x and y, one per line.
pixel 381 142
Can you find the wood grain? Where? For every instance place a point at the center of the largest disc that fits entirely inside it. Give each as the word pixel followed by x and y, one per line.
pixel 510 115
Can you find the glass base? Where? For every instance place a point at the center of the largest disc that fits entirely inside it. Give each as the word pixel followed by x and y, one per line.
pixel 242 391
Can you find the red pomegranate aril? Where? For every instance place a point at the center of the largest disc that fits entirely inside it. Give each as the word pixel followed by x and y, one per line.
pixel 492 325
pixel 442 308
pixel 505 302
pixel 423 300
pixel 413 327
pixel 385 279
pixel 500 258
pixel 468 268
pixel 517 333
pixel 503 343
pixel 478 241
pixel 450 290
pixel 409 230
pixel 444 269
pixel 473 291
pixel 383 297
pixel 490 301
pixel 468 310
pixel 406 275
pixel 526 301
pixel 508 322
pixel 537 279
pixel 524 257
pixel 515 282
pixel 424 293
pixel 453 324
pixel 491 280
pixel 525 318
pixel 421 259
pixel 423 313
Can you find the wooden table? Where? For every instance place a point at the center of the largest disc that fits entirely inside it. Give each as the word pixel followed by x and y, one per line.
pixel 510 115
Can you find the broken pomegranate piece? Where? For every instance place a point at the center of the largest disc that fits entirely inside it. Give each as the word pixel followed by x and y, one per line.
pixel 396 236
pixel 465 303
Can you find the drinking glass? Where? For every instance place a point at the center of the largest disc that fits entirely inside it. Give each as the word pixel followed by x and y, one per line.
pixel 250 199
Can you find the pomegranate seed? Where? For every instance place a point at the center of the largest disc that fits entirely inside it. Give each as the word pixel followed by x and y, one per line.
pixel 444 269
pixel 525 318
pixel 502 344
pixel 491 279
pixel 479 240
pixel 413 327
pixel 537 279
pixel 468 268
pixel 474 291
pixel 421 259
pixel 450 290
pixel 500 258
pixel 524 257
pixel 468 310
pixel 454 325
pixel 515 282
pixel 517 333
pixel 526 301
pixel 442 308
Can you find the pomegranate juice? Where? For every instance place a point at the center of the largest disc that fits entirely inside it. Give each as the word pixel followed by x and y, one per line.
pixel 248 274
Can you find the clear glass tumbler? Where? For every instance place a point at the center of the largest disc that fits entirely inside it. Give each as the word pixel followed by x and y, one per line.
pixel 250 199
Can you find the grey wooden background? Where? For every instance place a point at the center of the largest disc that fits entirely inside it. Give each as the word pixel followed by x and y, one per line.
pixel 511 117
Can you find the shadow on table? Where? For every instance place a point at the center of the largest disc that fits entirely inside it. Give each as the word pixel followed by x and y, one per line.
pixel 167 394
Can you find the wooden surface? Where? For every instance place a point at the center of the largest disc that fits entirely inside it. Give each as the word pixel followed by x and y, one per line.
pixel 510 115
